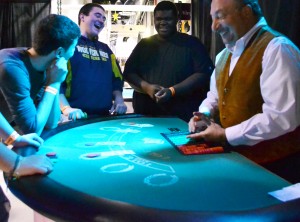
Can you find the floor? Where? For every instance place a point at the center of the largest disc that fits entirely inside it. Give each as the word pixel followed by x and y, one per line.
pixel 19 211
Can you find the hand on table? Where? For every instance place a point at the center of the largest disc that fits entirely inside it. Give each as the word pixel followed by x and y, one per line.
pixel 35 164
pixel 212 133
pixel 118 108
pixel 28 139
pixel 74 113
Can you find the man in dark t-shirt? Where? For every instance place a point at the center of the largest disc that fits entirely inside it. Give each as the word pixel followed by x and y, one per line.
pixel 169 71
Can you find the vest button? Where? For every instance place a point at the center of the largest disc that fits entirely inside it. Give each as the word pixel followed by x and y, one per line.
pixel 223 103
pixel 225 90
pixel 223 117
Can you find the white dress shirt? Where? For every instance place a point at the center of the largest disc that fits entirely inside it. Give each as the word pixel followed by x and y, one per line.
pixel 280 88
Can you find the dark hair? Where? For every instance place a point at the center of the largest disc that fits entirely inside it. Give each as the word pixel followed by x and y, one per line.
pixel 87 8
pixel 253 4
pixel 166 5
pixel 54 31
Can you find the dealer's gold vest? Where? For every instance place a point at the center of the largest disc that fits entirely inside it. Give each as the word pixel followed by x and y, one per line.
pixel 240 98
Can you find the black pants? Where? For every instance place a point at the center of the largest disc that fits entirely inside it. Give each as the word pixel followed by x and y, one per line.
pixel 4 207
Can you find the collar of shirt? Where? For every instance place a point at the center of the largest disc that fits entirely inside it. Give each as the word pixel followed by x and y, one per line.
pixel 240 44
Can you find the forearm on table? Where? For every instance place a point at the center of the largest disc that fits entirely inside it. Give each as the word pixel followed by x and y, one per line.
pixel 259 128
pixel 247 132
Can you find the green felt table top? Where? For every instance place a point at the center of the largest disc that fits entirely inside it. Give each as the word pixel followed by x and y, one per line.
pixel 128 160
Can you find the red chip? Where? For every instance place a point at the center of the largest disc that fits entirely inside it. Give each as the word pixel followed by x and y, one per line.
pixel 92 155
pixel 51 154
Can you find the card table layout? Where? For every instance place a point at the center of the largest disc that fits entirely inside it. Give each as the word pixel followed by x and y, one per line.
pixel 122 168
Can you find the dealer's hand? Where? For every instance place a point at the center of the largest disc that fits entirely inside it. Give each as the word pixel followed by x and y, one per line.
pixel 199 122
pixel 213 133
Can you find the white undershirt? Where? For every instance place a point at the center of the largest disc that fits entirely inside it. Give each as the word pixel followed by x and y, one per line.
pixel 280 88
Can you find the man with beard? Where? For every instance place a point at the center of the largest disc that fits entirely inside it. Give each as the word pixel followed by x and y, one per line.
pixel 94 79
pixel 254 89
pixel 169 71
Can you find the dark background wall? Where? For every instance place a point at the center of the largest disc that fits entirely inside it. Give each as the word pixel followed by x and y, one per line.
pixel 18 19
pixel 281 15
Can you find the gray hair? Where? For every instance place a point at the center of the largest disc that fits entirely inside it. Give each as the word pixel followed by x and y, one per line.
pixel 253 4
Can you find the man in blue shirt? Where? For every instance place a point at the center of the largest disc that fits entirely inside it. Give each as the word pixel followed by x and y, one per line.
pixel 94 83
pixel 30 78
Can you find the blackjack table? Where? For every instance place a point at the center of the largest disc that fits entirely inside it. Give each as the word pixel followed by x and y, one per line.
pixel 126 168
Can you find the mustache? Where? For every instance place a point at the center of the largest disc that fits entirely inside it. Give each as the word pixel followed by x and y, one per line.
pixel 222 30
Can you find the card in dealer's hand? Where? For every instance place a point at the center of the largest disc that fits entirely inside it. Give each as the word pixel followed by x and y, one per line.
pixel 189 146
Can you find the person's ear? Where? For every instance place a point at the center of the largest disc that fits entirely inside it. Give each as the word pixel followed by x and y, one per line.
pixel 58 52
pixel 248 10
pixel 81 17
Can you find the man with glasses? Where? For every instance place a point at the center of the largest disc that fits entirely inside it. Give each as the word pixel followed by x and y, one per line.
pixel 94 79
pixel 254 89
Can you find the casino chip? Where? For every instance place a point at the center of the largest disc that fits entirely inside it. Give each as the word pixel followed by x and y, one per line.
pixel 92 155
pixel 90 144
pixel 51 155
